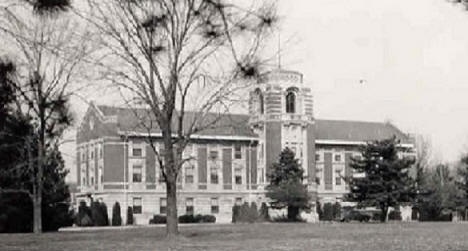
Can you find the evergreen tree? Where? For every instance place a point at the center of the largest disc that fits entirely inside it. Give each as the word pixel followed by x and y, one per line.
pixel 286 189
pixel 462 185
pixel 386 181
pixel 116 217
pixel 130 216
pixel 440 194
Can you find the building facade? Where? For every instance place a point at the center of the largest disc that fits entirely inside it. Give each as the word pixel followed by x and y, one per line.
pixel 228 163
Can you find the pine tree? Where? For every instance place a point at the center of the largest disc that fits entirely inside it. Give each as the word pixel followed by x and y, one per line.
pixel 462 185
pixel 116 217
pixel 386 182
pixel 286 189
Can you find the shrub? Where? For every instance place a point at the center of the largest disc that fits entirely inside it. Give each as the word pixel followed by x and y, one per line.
pixel 252 213
pixel 189 218
pixel 84 216
pixel 97 215
pixel 56 216
pixel 319 210
pixel 327 212
pixel 116 218
pixel 336 211
pixel 86 221
pixel 235 213
pixel 247 213
pixel 354 215
pixel 158 219
pixel 394 215
pixel 208 218
pixel 284 218
pixel 376 216
pixel 129 216
pixel 244 213
pixel 105 215
pixel 264 215
pixel 15 213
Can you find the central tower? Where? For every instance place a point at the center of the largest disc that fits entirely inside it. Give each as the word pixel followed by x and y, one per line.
pixel 281 113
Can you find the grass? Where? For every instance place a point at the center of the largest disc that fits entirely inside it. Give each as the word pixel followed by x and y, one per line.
pixel 260 237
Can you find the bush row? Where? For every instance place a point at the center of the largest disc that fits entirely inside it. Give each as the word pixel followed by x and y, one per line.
pixel 187 218
pixel 329 211
pixel 96 215
pixel 250 213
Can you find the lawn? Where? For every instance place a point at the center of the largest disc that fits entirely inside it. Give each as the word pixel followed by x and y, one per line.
pixel 275 236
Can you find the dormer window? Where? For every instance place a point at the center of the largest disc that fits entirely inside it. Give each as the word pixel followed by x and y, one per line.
pixel 91 124
pixel 290 102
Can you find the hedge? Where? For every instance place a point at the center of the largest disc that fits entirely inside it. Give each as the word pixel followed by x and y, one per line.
pixel 187 218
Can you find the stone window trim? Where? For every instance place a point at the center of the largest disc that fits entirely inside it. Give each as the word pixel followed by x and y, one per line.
pixel 189 206
pixel 162 205
pixel 214 205
pixel 137 205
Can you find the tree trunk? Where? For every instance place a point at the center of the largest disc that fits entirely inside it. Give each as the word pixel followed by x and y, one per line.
pixel 171 187
pixel 293 212
pixel 171 224
pixel 36 200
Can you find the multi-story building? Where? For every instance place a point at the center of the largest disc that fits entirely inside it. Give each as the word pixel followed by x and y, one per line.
pixel 228 163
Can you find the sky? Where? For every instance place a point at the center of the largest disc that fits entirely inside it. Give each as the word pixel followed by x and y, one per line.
pixel 411 54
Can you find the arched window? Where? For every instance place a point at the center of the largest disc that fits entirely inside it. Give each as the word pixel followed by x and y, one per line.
pixel 260 102
pixel 258 99
pixel 290 102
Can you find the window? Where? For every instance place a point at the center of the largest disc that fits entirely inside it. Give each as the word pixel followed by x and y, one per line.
pixel 258 102
pixel 92 154
pixel 317 180
pixel 214 206
pixel 100 152
pixel 238 176
pixel 83 156
pixel 338 180
pixel 290 102
pixel 338 157
pixel 189 170
pixel 214 175
pixel 92 181
pixel 137 152
pixel 101 177
pixel 317 157
pixel 214 155
pixel 137 208
pixel 238 201
pixel 137 173
pixel 294 150
pixel 162 205
pixel 237 152
pixel 84 181
pixel 189 206
pixel 262 175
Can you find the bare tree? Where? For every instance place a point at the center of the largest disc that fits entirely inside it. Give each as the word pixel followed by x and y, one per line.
pixel 47 54
pixel 175 56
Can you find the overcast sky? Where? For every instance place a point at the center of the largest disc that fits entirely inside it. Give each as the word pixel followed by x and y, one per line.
pixel 412 54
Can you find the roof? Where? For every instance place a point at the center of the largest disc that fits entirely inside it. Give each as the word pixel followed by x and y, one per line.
pixel 237 125
pixel 213 124
pixel 344 130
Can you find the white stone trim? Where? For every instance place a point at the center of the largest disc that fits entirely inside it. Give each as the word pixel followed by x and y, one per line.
pixel 344 142
pixel 194 136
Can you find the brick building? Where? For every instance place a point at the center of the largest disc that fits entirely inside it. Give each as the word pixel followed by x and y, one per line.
pixel 229 161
